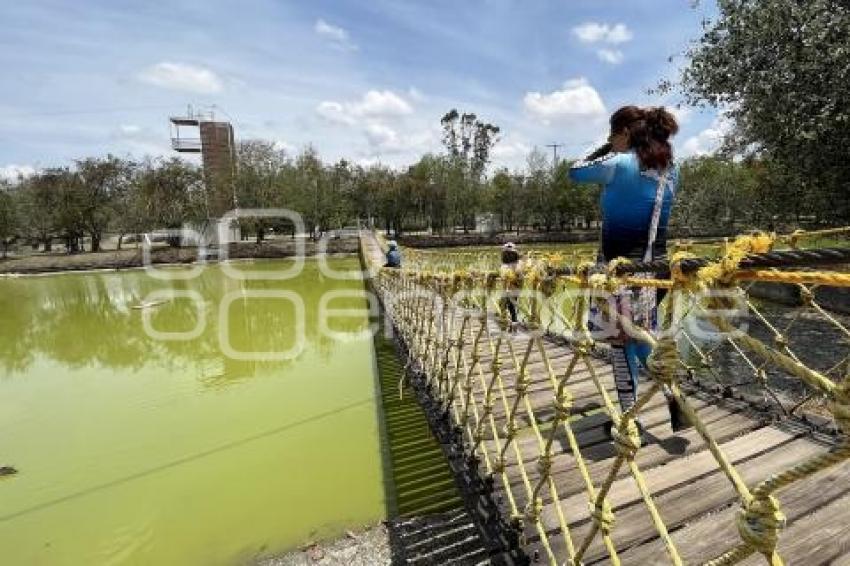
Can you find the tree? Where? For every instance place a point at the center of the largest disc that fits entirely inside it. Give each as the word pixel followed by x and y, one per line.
pixel 310 189
pixel 171 193
pixel 8 217
pixel 70 207
pixel 781 68
pixel 127 202
pixel 582 199
pixel 102 181
pixel 259 168
pixel 40 205
pixel 468 141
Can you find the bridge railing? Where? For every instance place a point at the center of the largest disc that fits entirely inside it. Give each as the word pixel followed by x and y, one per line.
pixel 454 321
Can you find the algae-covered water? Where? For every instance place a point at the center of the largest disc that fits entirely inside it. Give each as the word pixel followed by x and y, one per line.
pixel 137 441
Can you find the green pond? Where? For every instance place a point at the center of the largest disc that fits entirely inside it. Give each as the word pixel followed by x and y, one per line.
pixel 137 441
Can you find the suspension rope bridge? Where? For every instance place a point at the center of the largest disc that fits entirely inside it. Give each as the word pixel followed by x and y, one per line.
pixel 748 482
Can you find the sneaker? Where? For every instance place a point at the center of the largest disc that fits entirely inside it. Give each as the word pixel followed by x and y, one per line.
pixel 678 418
pixel 608 427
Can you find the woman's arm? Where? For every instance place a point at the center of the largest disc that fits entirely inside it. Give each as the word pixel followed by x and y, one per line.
pixel 598 167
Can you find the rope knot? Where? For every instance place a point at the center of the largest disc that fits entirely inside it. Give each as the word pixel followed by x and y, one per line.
pixel 583 272
pixel 723 270
pixel 533 509
pixel 544 464
pixel 626 439
pixel 615 266
pixel 602 515
pixel 510 429
pixel 663 361
pixel 584 348
pixel 563 405
pixel 521 386
pixel 499 465
pixel 759 523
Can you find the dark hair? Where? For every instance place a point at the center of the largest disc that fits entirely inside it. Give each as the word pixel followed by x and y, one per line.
pixel 649 130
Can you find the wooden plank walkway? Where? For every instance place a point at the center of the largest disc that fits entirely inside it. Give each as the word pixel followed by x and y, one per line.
pixel 695 499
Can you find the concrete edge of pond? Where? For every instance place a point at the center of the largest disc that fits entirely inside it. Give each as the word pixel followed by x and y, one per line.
pixel 165 256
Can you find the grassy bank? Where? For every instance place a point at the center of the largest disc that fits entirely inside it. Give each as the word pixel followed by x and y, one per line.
pixel 130 258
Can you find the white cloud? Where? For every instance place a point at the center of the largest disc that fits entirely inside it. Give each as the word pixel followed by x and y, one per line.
pixel 375 104
pixel 382 137
pixel 508 150
pixel 592 32
pixel 181 76
pixel 578 99
pixel 382 103
pixel 707 141
pixel 415 94
pixel 613 56
pixel 14 172
pixel 335 112
pixel 337 36
pixel 129 129
pixel 681 113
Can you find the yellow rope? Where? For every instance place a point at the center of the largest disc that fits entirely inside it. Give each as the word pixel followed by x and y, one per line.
pixel 446 339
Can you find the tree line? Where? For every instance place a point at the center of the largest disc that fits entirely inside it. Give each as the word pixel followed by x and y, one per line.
pixel 439 193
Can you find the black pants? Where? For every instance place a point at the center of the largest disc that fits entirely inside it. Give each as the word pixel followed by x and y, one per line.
pixel 510 304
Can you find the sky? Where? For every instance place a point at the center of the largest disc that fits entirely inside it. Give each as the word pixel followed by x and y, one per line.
pixel 363 80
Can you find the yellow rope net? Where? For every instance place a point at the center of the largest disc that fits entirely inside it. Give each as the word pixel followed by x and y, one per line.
pixel 495 383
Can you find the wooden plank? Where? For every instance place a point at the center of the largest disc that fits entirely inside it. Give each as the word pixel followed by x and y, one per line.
pixel 691 499
pixel 585 398
pixel 624 492
pixel 596 445
pixel 728 426
pixel 589 431
pixel 814 506
pixel 569 482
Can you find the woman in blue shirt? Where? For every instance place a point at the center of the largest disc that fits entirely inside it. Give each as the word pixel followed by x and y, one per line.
pixel 639 180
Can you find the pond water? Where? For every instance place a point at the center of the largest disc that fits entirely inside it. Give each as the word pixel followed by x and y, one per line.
pixel 135 447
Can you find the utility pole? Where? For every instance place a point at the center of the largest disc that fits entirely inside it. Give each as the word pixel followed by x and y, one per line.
pixel 554 147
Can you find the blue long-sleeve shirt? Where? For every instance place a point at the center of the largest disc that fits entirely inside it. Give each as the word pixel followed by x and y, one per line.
pixel 627 202
pixel 393 258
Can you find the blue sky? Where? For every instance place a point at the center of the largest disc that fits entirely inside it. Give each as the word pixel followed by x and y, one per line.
pixel 365 80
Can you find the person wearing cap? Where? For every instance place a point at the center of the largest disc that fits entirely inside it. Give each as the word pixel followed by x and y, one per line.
pixel 510 263
pixel 393 255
